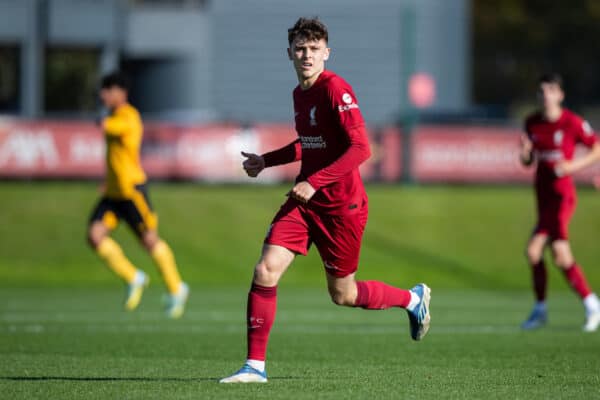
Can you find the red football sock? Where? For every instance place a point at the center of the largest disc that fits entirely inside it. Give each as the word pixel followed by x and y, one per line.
pixel 262 304
pixel 375 295
pixel 540 280
pixel 577 280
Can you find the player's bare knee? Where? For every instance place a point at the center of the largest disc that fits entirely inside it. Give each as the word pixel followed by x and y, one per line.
pixel 563 257
pixel 265 274
pixel 95 235
pixel 533 254
pixel 563 261
pixel 533 257
pixel 272 265
pixel 341 297
pixel 337 298
pixel 150 240
pixel 91 240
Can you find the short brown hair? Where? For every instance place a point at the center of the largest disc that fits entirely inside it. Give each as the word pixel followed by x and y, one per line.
pixel 551 77
pixel 309 29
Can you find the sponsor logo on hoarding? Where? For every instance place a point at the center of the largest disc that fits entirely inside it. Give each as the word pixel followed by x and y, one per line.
pixel 84 149
pixel 29 149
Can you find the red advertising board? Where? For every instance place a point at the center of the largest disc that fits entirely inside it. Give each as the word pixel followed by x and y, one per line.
pixel 49 149
pixel 466 154
pixel 210 152
pixel 473 154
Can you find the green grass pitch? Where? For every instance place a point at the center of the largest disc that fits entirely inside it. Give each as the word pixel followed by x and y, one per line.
pixel 63 335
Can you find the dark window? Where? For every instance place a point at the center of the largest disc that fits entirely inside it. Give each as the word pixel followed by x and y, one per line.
pixel 71 80
pixel 9 78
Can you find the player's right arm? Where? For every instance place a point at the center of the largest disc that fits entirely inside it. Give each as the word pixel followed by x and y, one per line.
pixel 254 163
pixel 526 153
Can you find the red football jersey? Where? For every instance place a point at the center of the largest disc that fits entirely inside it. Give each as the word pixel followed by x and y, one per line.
pixel 332 143
pixel 554 142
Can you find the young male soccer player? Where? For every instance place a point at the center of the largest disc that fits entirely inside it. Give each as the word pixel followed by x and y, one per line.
pixel 126 197
pixel 327 206
pixel 551 137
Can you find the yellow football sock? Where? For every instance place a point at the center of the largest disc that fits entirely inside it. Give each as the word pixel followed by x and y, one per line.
pixel 113 256
pixel 165 261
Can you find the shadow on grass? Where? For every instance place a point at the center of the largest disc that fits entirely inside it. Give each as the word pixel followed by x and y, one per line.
pixel 471 276
pixel 118 379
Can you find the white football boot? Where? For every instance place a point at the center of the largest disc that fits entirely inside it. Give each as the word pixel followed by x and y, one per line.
pixel 135 290
pixel 246 374
pixel 176 302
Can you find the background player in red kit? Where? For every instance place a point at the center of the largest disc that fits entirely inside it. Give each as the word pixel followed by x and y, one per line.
pixel 327 206
pixel 551 137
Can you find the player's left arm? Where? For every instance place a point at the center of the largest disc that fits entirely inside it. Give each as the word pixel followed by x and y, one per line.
pixel 358 151
pixel 115 124
pixel 587 137
pixel 573 166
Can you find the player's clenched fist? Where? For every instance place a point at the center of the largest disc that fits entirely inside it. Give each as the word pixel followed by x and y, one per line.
pixel 253 164
pixel 526 150
pixel 303 191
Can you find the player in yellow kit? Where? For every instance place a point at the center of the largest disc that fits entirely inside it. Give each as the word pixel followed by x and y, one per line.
pixel 125 198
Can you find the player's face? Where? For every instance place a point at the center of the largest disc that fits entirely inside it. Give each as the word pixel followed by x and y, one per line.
pixel 550 95
pixel 112 96
pixel 308 57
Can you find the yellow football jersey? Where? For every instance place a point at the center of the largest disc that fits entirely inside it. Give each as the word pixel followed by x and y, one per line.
pixel 123 131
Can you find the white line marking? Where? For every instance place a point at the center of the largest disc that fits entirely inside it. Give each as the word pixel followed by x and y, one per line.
pixel 239 328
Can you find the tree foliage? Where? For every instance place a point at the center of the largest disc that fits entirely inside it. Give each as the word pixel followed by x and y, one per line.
pixel 514 41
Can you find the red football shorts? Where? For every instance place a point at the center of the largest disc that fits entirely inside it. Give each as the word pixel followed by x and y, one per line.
pixel 554 215
pixel 337 237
